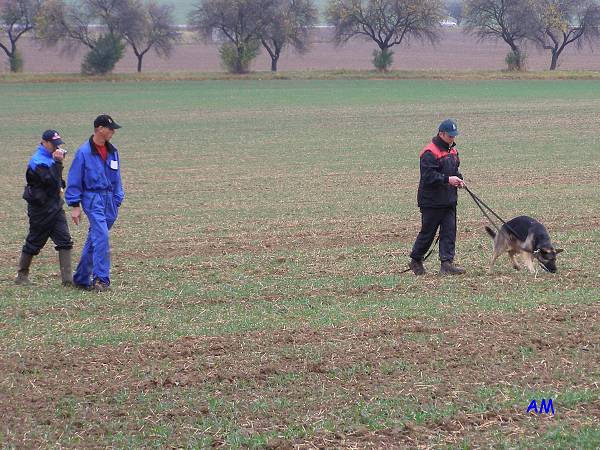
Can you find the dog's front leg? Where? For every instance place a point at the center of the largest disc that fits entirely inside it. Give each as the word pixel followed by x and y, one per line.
pixel 528 257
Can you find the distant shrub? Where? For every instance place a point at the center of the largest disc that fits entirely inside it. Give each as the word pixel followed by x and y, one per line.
pixel 104 56
pixel 237 59
pixel 515 61
pixel 383 59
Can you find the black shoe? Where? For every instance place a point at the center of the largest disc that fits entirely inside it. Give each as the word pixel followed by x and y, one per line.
pixel 99 286
pixel 449 268
pixel 83 287
pixel 417 267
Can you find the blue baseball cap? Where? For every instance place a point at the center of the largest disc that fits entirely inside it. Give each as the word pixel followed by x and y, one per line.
pixel 52 136
pixel 449 126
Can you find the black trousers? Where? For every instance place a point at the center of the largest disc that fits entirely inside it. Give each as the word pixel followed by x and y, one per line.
pixel 47 223
pixel 431 220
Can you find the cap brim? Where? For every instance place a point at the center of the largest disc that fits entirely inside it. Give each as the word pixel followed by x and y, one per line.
pixel 115 126
pixel 452 133
pixel 57 142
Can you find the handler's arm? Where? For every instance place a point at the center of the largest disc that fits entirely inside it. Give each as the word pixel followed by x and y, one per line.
pixel 74 189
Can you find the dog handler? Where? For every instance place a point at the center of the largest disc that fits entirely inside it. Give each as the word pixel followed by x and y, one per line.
pixel 437 198
pixel 94 184
pixel 47 218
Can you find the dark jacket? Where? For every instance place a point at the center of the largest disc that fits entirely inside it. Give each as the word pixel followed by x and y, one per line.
pixel 438 162
pixel 44 182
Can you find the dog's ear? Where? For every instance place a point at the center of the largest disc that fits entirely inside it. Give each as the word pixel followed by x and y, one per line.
pixel 558 250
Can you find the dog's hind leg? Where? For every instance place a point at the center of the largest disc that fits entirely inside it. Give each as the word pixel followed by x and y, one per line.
pixel 494 258
pixel 515 264
pixel 499 248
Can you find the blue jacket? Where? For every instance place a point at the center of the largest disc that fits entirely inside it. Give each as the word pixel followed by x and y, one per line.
pixel 89 172
pixel 44 180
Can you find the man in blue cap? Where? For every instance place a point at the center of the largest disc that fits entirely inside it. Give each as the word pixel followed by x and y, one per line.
pixel 437 198
pixel 94 184
pixel 47 218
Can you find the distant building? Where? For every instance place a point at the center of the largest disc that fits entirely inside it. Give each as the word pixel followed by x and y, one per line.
pixel 448 23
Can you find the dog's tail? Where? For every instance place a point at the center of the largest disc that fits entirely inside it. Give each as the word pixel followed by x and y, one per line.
pixel 491 232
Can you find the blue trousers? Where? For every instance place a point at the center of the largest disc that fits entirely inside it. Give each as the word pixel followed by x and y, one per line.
pixel 101 211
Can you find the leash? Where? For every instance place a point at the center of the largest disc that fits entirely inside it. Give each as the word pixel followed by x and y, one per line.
pixel 481 204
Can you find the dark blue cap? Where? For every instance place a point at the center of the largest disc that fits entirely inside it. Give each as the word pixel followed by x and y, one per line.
pixel 449 126
pixel 52 136
pixel 104 120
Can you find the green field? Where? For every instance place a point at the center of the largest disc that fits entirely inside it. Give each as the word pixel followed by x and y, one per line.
pixel 257 297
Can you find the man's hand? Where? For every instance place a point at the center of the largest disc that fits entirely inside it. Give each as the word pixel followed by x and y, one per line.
pixel 76 214
pixel 456 182
pixel 58 154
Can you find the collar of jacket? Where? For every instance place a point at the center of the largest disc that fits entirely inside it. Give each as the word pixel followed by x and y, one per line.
pixel 439 142
pixel 43 153
pixel 109 147
pixel 41 156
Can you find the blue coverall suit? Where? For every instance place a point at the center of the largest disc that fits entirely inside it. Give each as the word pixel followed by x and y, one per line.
pixel 96 186
pixel 44 203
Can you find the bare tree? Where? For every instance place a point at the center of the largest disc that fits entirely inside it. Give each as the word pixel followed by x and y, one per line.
pixel 455 9
pixel 559 23
pixel 17 17
pixel 66 23
pixel 386 22
pixel 241 22
pixel 148 26
pixel 290 24
pixel 508 20
pixel 92 23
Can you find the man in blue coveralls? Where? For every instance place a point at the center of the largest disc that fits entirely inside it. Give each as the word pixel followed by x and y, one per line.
pixel 94 184
pixel 47 218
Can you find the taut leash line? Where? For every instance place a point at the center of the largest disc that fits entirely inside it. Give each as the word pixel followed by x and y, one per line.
pixel 481 205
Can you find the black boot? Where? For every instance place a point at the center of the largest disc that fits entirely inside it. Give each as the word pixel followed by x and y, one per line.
pixel 23 271
pixel 66 273
pixel 416 266
pixel 448 267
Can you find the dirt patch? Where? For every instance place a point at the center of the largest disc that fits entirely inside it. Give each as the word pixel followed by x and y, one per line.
pixel 379 383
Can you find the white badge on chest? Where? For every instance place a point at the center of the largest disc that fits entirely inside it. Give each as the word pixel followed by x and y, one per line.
pixel 114 164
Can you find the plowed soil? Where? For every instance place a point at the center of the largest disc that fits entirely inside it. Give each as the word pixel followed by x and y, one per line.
pixel 339 368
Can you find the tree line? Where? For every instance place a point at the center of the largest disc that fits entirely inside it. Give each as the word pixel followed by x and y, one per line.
pixel 107 27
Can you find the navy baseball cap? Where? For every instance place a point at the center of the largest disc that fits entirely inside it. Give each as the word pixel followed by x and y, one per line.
pixel 104 120
pixel 449 126
pixel 52 136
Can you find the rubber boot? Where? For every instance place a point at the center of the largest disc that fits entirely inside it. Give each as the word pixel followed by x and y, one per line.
pixel 66 272
pixel 23 271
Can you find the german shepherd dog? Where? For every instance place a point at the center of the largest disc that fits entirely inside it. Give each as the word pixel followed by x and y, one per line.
pixel 526 237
